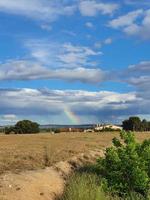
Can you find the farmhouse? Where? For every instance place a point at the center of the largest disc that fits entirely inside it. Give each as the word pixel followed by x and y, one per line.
pixel 100 127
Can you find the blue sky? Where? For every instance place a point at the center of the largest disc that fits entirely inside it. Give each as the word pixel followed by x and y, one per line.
pixel 74 61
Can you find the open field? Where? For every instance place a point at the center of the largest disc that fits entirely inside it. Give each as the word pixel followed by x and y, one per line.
pixel 29 152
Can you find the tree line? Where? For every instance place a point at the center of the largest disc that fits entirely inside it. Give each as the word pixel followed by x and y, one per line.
pixel 27 126
pixel 136 124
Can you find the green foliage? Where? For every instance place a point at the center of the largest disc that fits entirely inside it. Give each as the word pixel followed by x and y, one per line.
pixel 23 127
pixel 126 166
pixel 9 130
pixel 135 124
pixel 26 126
pixel 83 187
pixel 2 130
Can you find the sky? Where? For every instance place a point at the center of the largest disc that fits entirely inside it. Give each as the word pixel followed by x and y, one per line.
pixel 74 61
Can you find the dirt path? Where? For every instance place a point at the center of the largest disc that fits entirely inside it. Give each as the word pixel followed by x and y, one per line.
pixel 44 184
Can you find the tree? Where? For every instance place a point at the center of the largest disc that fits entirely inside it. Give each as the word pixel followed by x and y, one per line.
pixel 135 124
pixel 27 126
pixel 132 124
pixel 145 125
pixel 126 125
pixel 23 127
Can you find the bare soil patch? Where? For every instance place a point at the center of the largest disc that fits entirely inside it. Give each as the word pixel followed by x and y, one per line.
pixel 46 184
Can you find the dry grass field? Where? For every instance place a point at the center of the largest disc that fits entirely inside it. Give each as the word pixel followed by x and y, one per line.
pixel 29 152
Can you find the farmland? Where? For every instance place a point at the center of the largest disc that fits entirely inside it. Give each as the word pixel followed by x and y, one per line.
pixel 31 152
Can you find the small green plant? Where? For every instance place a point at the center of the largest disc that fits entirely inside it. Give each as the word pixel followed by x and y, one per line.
pixel 83 187
pixel 46 156
pixel 126 167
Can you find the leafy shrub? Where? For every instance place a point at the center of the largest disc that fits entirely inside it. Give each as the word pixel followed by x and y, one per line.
pixel 126 167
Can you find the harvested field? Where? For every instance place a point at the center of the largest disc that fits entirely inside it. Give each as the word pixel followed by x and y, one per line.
pixel 30 152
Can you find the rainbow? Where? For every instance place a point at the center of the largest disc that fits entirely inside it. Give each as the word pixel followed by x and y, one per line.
pixel 71 116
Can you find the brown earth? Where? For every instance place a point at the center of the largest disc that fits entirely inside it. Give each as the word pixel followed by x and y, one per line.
pixel 46 184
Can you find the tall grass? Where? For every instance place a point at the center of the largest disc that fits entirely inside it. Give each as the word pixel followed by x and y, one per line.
pixel 84 187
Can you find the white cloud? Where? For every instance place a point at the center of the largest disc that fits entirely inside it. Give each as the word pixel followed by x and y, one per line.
pixel 98 45
pixel 126 20
pixel 138 75
pixel 8 119
pixel 22 70
pixel 108 41
pixel 143 66
pixel 133 29
pixel 50 60
pixel 25 70
pixel 93 8
pixel 43 51
pixel 64 55
pixel 89 25
pixel 77 55
pixel 49 11
pixel 46 27
pixel 71 97
pixel 135 23
pixel 44 10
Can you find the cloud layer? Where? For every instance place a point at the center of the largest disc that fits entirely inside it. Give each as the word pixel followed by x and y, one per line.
pixel 37 9
pixel 47 60
pixel 139 77
pixel 48 11
pixel 53 102
pixel 25 70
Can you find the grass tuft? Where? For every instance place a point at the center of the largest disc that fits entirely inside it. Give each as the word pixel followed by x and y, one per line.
pixel 83 187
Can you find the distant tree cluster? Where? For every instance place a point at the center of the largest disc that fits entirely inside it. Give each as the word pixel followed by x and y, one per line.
pixel 136 124
pixel 23 127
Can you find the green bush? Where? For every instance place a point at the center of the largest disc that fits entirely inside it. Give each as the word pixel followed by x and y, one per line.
pixel 126 167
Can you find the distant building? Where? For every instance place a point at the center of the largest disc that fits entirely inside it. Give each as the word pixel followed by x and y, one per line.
pixel 100 127
pixel 88 130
